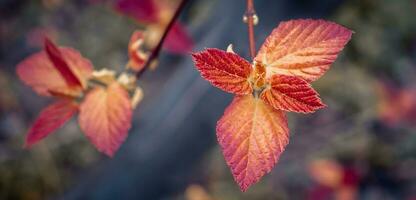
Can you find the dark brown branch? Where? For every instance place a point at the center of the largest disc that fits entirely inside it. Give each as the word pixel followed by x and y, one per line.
pixel 156 51
pixel 249 17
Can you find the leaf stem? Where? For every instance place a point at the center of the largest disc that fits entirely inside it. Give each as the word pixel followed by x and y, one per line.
pixel 250 17
pixel 156 51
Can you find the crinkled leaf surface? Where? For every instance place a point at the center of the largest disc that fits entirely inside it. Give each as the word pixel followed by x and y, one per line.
pixel 291 93
pixel 224 70
pixel 305 48
pixel 105 117
pixel 252 136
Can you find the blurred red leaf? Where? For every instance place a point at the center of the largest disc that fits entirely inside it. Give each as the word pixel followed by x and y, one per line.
pixel 56 57
pixel 291 93
pixel 40 73
pixel 178 41
pixel 50 119
pixel 326 172
pixel 333 179
pixel 156 15
pixel 105 117
pixel 252 136
pixel 224 70
pixel 144 11
pixel 303 48
pixel 105 113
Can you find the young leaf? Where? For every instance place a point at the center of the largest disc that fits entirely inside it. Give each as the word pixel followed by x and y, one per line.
pixel 38 72
pixel 303 48
pixel 252 136
pixel 178 40
pixel 105 117
pixel 50 119
pixel 137 56
pixel 60 64
pixel 291 93
pixel 156 16
pixel 224 70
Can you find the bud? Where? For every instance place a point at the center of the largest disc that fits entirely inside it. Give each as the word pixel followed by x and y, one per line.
pixel 230 48
pixel 128 81
pixel 104 75
pixel 137 97
pixel 258 77
pixel 254 16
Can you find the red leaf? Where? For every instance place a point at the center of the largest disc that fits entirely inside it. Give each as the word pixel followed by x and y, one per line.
pixel 145 11
pixel 50 119
pixel 252 136
pixel 224 70
pixel 303 48
pixel 178 41
pixel 60 64
pixel 38 72
pixel 291 93
pixel 105 117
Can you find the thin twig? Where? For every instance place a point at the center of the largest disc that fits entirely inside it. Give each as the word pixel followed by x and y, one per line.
pixel 156 51
pixel 249 16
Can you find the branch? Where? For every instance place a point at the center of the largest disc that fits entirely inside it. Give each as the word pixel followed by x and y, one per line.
pixel 156 51
pixel 251 19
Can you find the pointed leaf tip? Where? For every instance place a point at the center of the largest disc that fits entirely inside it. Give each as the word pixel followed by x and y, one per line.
pixel 252 135
pixel 227 71
pixel 50 119
pixel 291 93
pixel 322 41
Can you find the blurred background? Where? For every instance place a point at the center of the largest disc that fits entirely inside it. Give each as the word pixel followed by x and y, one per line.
pixel 362 146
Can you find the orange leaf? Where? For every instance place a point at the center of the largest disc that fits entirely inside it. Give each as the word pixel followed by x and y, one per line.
pixel 60 64
pixel 303 48
pixel 291 93
pixel 105 117
pixel 38 72
pixel 224 70
pixel 252 136
pixel 50 119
